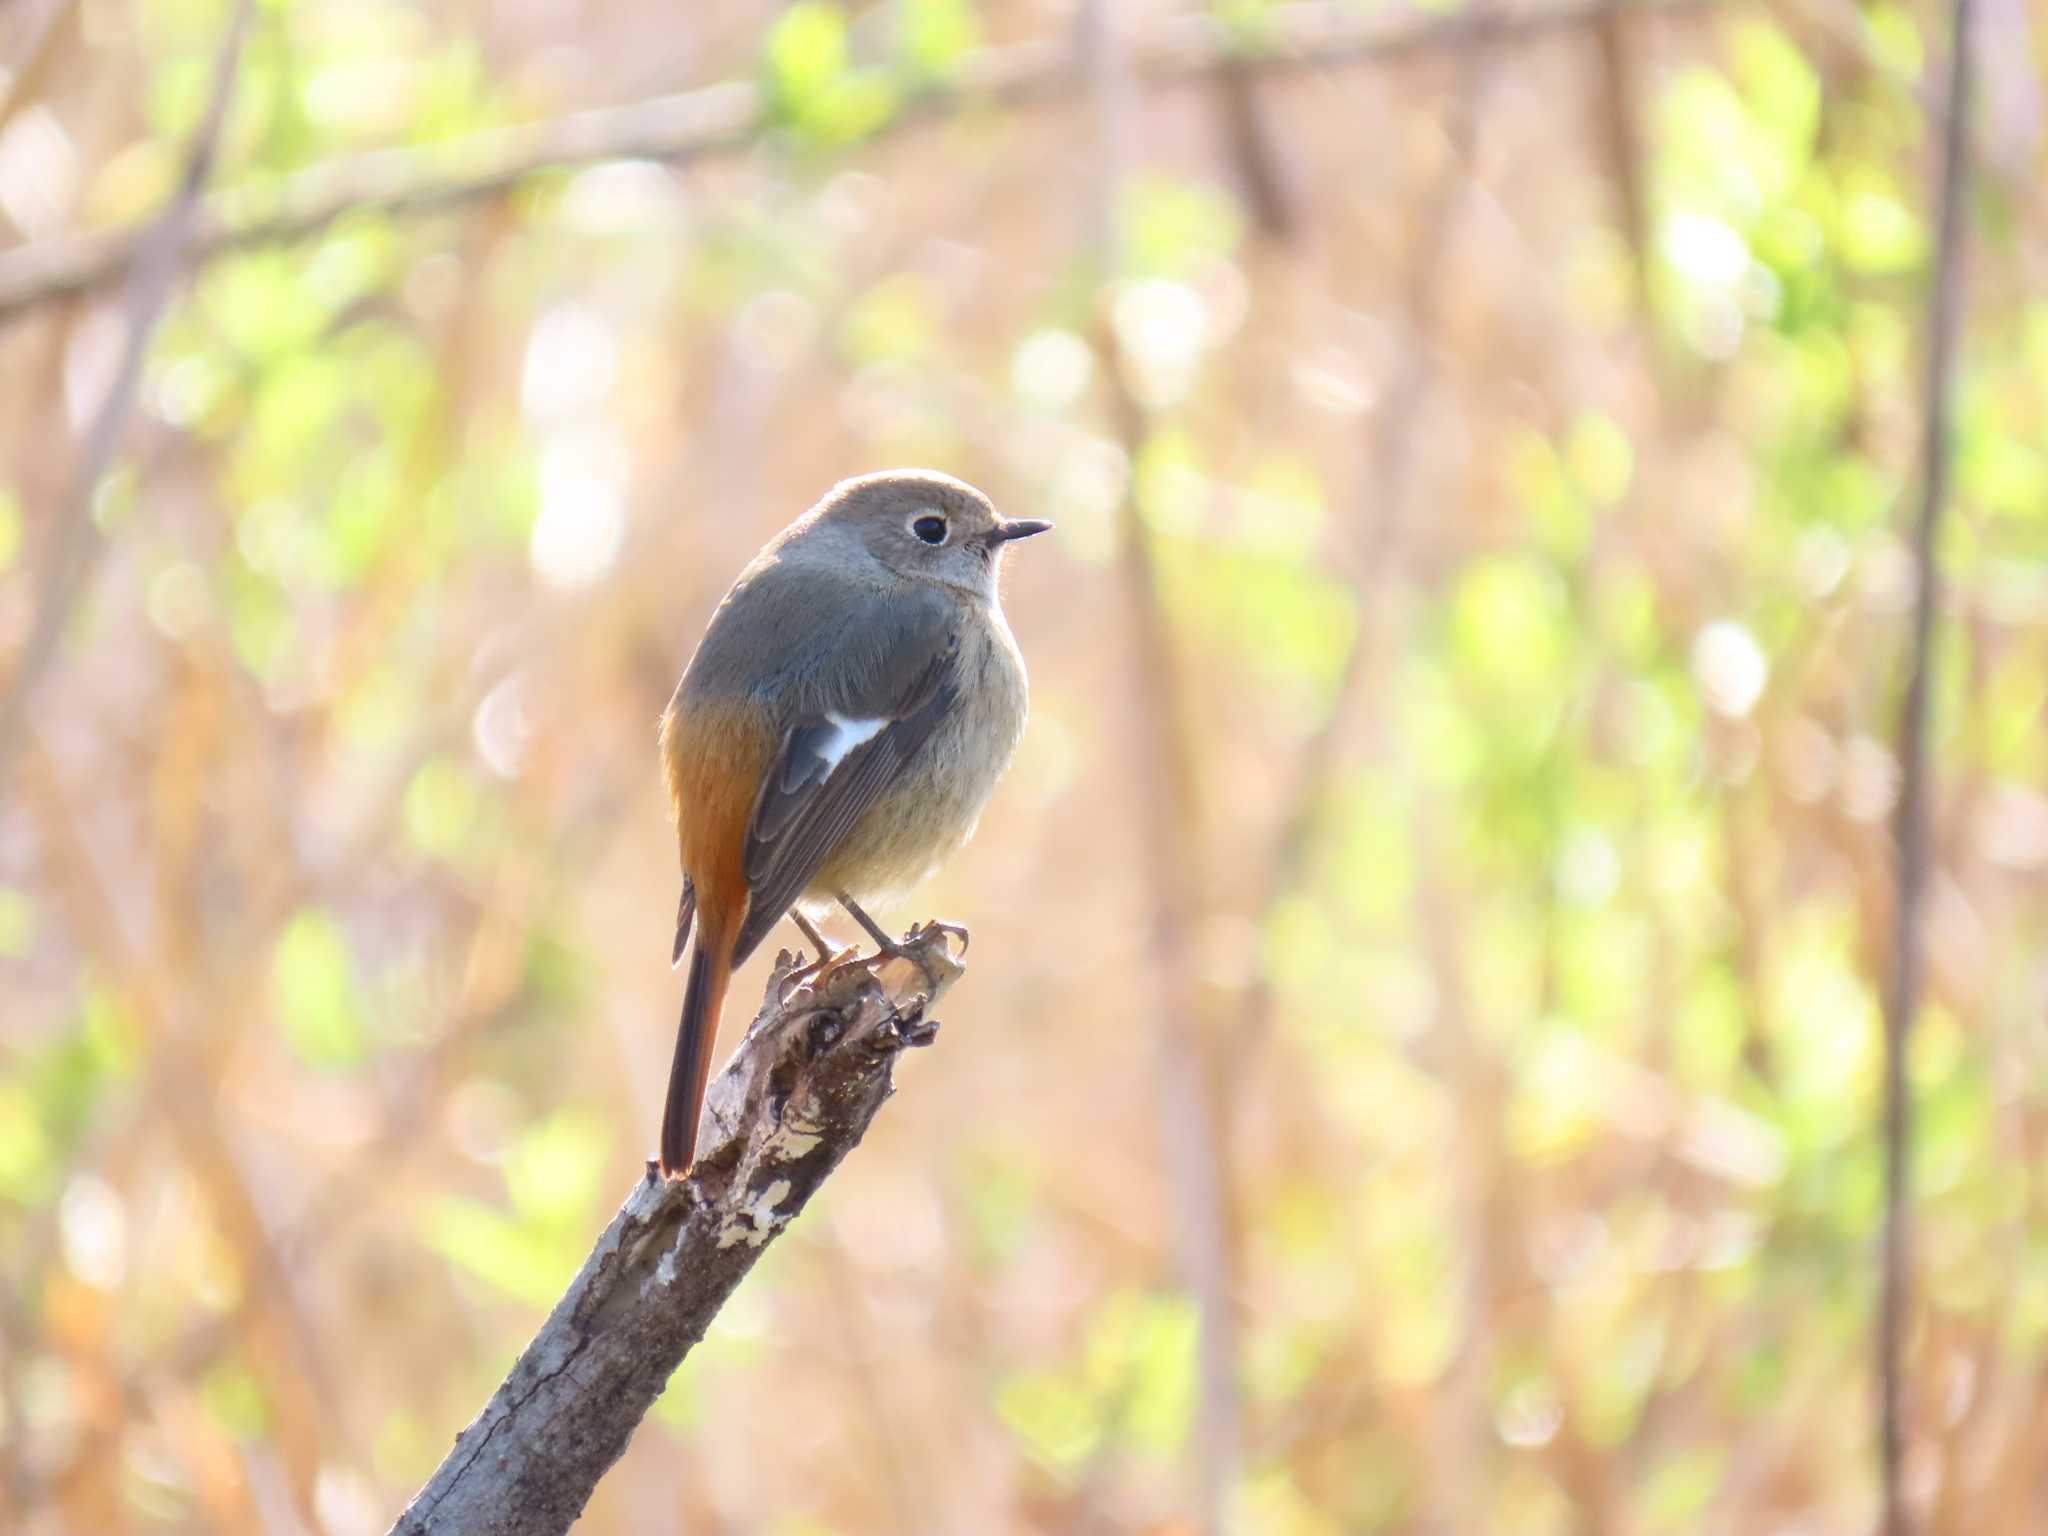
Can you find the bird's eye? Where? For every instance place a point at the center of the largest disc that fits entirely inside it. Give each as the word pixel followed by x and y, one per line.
pixel 930 529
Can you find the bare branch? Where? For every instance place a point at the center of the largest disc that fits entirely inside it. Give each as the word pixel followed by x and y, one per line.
pixel 1163 782
pixel 798 1095
pixel 1902 996
pixel 1254 153
pixel 726 119
pixel 45 45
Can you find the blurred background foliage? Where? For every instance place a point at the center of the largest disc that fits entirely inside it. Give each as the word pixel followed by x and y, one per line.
pixel 1421 1058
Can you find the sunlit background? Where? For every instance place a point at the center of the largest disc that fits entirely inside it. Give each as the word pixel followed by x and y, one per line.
pixel 1419 1065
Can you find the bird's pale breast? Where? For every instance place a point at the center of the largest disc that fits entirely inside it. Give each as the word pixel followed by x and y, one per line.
pixel 933 808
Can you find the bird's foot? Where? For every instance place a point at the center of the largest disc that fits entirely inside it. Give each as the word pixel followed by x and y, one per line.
pixel 932 928
pixel 809 975
pixel 929 948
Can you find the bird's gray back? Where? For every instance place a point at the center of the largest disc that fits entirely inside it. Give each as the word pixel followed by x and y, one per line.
pixel 808 638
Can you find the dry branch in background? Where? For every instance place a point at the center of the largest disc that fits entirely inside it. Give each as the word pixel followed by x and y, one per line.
pixel 1169 831
pixel 154 258
pixel 814 1068
pixel 1902 994
pixel 727 118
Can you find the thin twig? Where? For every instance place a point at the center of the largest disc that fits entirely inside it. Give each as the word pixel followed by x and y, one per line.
pixel 730 118
pixel 158 258
pixel 38 59
pixel 890 1438
pixel 1902 997
pixel 1621 138
pixel 1169 824
pixel 1194 1153
pixel 1251 149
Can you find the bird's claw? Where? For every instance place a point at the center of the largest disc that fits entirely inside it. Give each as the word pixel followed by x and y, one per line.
pixel 808 975
pixel 916 950
pixel 932 928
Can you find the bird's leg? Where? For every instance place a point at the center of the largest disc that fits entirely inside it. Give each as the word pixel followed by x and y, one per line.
pixel 894 949
pixel 827 956
pixel 938 925
pixel 810 931
pixel 883 942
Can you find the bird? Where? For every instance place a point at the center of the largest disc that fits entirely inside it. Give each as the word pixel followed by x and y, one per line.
pixel 850 707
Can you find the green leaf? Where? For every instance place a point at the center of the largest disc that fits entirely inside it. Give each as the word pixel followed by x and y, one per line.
pixel 1273 1503
pixel 1782 89
pixel 1707 1037
pixel 553 1172
pixel 235 1400
pixel 526 1263
pixel 26 1165
pixel 1508 624
pixel 1056 1418
pixel 10 528
pixel 1602 459
pixel 1372 856
pixel 1136 1378
pixel 1287 617
pixel 17 922
pixel 805 52
pixel 810 80
pixel 1169 225
pixel 894 321
pixel 440 810
pixel 1879 232
pixel 260 303
pixel 1247 23
pixel 1824 1021
pixel 1556 1104
pixel 313 989
pixel 1681 1487
pixel 66 1078
pixel 933 34
pixel 1002 1201
pixel 108 1033
pixel 1154 1344
pixel 1894 34
pixel 1536 477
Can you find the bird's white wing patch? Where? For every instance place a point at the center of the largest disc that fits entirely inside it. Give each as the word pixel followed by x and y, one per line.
pixel 846 735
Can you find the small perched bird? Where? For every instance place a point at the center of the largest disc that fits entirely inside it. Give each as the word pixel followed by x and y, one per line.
pixel 852 703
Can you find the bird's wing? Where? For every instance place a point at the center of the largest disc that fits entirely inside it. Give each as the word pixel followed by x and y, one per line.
pixel 873 717
pixel 686 913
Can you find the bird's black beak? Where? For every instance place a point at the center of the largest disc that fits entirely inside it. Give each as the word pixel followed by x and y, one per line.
pixel 1017 528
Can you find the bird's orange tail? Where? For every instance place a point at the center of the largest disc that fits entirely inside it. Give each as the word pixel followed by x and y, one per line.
pixel 703 1001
